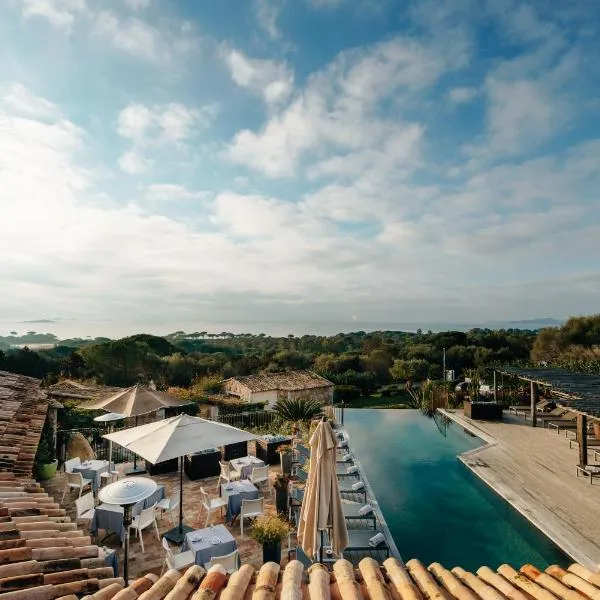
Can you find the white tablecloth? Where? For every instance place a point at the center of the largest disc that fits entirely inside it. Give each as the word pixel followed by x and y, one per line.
pixel 208 543
pixel 245 465
pixel 92 469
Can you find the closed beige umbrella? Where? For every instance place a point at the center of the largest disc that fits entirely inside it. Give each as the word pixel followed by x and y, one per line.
pixel 322 504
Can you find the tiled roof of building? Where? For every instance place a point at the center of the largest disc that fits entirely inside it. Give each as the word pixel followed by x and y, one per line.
pixel 42 553
pixel 68 388
pixel 285 381
pixel 371 581
pixel 23 408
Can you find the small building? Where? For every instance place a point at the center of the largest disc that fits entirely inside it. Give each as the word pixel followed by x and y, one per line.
pixel 270 387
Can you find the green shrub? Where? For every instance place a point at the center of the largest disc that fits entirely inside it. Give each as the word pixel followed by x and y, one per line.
pixel 346 393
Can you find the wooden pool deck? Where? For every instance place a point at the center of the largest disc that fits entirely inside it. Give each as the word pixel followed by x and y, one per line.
pixel 535 471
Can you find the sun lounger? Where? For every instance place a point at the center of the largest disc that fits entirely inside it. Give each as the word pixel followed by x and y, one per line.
pixel 358 541
pixel 525 409
pixel 351 487
pixel 353 516
pixel 341 469
pixel 561 424
pixel 591 442
pixel 300 475
pixel 590 470
pixel 556 413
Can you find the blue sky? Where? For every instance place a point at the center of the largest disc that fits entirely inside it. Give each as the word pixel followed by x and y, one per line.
pixel 305 160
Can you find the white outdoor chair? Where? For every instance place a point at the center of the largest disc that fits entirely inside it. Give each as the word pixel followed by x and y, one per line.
pixel 75 481
pixel 178 561
pixel 109 477
pixel 85 507
pixel 147 518
pixel 260 476
pixel 211 504
pixel 169 504
pixel 70 464
pixel 229 561
pixel 227 473
pixel 250 510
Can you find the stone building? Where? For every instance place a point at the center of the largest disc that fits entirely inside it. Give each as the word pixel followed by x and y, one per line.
pixel 270 387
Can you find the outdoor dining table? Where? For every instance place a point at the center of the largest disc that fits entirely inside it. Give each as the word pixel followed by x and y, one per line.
pixel 245 465
pixel 208 543
pixel 234 492
pixel 109 517
pixel 92 469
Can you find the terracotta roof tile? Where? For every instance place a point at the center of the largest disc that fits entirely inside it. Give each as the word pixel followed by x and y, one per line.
pixel 285 381
pixel 23 407
pixel 390 580
pixel 68 388
pixel 43 555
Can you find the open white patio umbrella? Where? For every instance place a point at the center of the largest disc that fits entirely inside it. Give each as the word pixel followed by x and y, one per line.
pixel 133 402
pixel 174 438
pixel 322 504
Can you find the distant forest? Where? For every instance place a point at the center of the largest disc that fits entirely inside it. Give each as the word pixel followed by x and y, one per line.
pixel 360 362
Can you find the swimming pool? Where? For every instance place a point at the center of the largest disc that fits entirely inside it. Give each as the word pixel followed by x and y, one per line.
pixel 435 508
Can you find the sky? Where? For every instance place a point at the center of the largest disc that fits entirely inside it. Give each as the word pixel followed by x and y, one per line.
pixel 299 160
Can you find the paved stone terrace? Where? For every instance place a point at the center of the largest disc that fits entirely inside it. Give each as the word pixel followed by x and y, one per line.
pixel 151 561
pixel 534 470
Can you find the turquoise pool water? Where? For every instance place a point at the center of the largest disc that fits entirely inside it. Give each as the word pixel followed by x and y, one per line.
pixel 436 509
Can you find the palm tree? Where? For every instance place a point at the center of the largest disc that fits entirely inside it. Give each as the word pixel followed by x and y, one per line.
pixel 297 410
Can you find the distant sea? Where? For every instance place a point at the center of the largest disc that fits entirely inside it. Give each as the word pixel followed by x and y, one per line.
pixel 65 329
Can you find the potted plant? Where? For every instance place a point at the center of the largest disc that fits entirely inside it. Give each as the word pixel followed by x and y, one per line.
pixel 45 458
pixel 281 493
pixel 285 455
pixel 270 531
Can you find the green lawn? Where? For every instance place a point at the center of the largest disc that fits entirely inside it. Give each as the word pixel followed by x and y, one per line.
pixel 379 401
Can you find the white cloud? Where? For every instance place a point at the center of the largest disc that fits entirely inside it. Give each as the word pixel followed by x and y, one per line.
pixel 135 36
pixel 134 121
pixel 265 257
pixel 326 3
pixel 19 100
pixel 60 13
pixel 461 95
pixel 173 122
pixel 138 4
pixel 173 192
pixel 134 163
pixel 272 80
pixel 178 122
pixel 529 101
pixel 152 127
pixel 267 13
pixel 338 108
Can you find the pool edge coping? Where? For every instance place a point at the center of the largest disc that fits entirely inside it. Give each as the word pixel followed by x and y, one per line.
pixel 394 552
pixel 524 509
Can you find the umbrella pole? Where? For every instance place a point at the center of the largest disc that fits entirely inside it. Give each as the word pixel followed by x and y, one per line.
pixel 135 469
pixel 178 533
pixel 126 524
pixel 135 455
pixel 181 495
pixel 321 549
